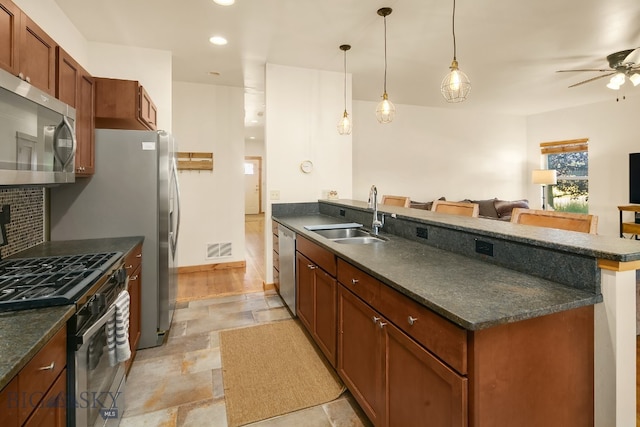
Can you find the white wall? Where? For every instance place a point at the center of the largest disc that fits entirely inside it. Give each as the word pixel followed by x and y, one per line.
pixel 210 118
pixel 302 111
pixel 612 131
pixel 426 153
pixel 151 67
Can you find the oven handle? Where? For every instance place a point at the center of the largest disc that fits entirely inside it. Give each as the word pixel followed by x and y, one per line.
pixel 82 339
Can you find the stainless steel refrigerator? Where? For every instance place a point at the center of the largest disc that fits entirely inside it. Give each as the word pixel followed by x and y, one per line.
pixel 134 192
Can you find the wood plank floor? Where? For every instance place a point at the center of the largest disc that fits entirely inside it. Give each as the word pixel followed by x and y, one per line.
pixel 230 281
pixel 235 281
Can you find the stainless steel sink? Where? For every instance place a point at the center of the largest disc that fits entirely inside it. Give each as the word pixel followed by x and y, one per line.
pixel 352 236
pixel 342 233
pixel 361 240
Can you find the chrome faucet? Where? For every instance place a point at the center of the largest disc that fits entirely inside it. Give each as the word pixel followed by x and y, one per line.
pixel 377 224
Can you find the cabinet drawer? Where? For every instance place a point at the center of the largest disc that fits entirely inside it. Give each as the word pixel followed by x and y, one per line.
pixel 276 278
pixel 438 335
pixel 274 228
pixel 39 374
pixel 318 255
pixel 276 243
pixel 359 282
pixel 8 404
pixel 276 260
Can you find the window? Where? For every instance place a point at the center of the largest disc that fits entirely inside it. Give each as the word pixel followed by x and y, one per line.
pixel 571 161
pixel 248 169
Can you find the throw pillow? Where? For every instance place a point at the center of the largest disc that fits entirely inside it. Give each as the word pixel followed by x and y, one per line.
pixel 504 207
pixel 423 205
pixel 487 207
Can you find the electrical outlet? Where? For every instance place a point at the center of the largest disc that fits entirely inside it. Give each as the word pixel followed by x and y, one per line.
pixel 422 232
pixel 484 248
pixel 274 194
pixel 342 212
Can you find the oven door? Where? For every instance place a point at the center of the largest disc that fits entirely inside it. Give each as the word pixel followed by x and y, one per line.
pixel 99 393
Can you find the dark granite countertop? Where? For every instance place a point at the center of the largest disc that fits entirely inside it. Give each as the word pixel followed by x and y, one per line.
pixel 23 333
pixel 471 293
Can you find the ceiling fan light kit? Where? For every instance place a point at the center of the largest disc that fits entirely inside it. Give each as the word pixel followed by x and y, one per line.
pixel 344 124
pixel 622 65
pixel 455 86
pixel 385 111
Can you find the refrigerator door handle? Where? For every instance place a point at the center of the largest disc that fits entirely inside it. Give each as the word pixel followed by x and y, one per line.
pixel 175 233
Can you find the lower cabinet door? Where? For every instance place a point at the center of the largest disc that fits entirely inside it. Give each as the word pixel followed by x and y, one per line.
pixel 325 314
pixel 360 353
pixel 421 390
pixel 305 289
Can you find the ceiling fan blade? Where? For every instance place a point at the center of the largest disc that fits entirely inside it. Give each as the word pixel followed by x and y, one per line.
pixel 633 57
pixel 592 79
pixel 585 69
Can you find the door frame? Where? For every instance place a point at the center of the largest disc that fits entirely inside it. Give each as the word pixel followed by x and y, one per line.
pixel 259 159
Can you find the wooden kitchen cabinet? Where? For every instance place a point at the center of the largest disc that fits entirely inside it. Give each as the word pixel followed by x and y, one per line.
pixel 123 104
pixel 395 380
pixel 316 295
pixel 51 412
pixel 9 404
pixel 75 86
pixel 133 265
pixel 10 36
pixel 27 51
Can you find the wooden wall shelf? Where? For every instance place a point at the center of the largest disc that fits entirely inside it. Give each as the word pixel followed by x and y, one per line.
pixel 195 161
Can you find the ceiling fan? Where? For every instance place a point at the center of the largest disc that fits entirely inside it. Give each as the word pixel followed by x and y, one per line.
pixel 624 64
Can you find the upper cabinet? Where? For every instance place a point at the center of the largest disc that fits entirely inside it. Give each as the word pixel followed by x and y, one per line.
pixel 75 86
pixel 25 50
pixel 123 104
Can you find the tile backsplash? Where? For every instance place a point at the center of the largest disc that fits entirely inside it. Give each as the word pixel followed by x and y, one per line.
pixel 26 228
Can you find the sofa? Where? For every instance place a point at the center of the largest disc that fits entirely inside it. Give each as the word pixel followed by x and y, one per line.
pixel 495 208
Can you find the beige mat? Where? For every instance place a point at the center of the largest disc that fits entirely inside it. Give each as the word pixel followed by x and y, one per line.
pixel 273 369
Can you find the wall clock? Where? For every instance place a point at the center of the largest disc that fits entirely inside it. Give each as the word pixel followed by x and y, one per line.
pixel 306 166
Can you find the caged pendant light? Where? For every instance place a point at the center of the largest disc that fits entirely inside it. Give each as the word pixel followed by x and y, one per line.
pixel 455 86
pixel 344 125
pixel 386 111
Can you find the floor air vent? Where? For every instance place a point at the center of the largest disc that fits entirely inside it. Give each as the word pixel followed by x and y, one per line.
pixel 219 250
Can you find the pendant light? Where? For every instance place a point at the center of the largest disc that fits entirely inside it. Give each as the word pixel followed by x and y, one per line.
pixel 455 86
pixel 344 125
pixel 386 111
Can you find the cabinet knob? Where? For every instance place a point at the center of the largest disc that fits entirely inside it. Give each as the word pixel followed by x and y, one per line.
pixel 28 79
pixel 412 320
pixel 375 319
pixel 21 75
pixel 133 277
pixel 354 281
pixel 48 368
pixel 139 256
pixel 382 324
pixel 311 266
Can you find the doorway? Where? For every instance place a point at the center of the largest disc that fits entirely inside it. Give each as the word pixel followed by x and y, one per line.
pixel 252 185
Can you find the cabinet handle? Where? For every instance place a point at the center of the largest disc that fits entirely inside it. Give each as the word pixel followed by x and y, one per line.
pixel 354 281
pixel 48 368
pixel 128 266
pixel 21 75
pixel 382 324
pixel 28 79
pixel 375 319
pixel 134 277
pixel 412 320
pixel 139 256
pixel 312 267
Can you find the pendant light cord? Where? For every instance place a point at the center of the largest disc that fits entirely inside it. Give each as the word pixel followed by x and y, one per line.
pixel 453 27
pixel 385 54
pixel 345 80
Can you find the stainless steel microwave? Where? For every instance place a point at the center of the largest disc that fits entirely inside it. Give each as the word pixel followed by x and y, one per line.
pixel 37 135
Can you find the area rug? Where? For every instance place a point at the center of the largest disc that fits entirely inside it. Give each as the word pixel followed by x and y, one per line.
pixel 273 369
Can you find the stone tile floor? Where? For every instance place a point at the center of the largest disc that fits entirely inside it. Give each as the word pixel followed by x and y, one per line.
pixel 180 382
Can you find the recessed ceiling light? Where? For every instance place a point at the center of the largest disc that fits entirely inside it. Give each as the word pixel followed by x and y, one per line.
pixel 224 2
pixel 252 137
pixel 254 121
pixel 214 73
pixel 218 40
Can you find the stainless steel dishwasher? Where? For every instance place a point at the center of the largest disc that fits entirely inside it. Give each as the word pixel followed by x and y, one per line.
pixel 287 254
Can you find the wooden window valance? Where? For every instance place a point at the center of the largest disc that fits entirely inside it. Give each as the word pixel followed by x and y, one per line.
pixel 568 146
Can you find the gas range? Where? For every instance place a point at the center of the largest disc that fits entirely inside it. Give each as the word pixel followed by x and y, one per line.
pixel 56 280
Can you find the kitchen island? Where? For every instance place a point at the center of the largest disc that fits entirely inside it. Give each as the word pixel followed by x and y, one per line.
pixel 534 278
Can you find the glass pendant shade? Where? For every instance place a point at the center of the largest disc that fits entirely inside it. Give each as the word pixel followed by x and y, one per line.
pixel 635 79
pixel 344 124
pixel 386 111
pixel 456 85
